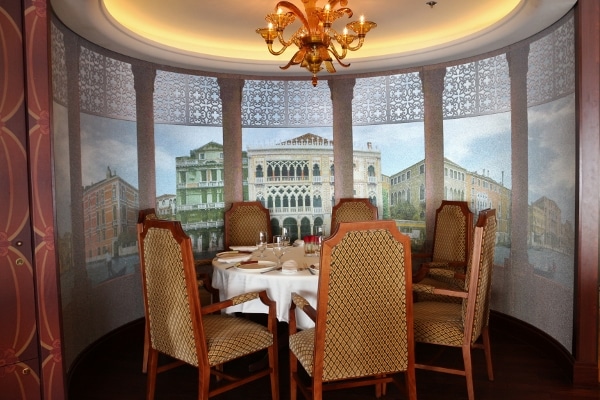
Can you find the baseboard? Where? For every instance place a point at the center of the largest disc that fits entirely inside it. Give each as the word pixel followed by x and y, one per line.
pixel 535 337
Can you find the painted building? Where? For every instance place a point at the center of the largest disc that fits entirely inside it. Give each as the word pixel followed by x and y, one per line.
pixel 480 191
pixel 110 210
pixel 295 181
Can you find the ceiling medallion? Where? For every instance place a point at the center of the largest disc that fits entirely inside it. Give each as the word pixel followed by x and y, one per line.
pixel 317 41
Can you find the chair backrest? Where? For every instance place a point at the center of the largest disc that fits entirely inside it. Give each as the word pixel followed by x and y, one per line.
pixel 364 303
pixel 243 221
pixel 171 292
pixel 452 232
pixel 352 210
pixel 478 282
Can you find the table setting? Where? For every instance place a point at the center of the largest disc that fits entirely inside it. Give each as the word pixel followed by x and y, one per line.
pixel 278 267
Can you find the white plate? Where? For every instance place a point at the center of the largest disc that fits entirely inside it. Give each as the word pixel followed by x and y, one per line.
pixel 314 270
pixel 233 256
pixel 259 266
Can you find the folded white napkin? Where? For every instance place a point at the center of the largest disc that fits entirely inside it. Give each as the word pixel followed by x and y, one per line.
pixel 243 248
pixel 298 242
pixel 233 258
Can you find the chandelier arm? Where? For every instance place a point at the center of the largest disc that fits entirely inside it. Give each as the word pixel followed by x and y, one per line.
pixel 290 63
pixel 361 40
pixel 335 53
pixel 338 59
pixel 346 10
pixel 295 10
pixel 279 52
pixel 332 3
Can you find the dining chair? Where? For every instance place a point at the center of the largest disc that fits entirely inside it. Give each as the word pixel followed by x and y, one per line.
pixel 189 333
pixel 462 324
pixel 352 210
pixel 208 294
pixel 363 333
pixel 452 237
pixel 243 221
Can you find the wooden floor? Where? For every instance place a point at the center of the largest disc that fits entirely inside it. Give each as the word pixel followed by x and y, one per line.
pixel 111 369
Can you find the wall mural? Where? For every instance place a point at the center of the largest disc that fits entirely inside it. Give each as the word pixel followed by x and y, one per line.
pixel 388 129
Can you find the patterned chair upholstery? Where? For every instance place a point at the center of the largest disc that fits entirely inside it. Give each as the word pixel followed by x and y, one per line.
pixel 452 237
pixel 358 339
pixel 352 210
pixel 200 336
pixel 243 221
pixel 461 325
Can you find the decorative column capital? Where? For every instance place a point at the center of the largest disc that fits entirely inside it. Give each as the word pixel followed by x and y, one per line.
pixel 230 89
pixel 433 80
pixel 342 88
pixel 143 77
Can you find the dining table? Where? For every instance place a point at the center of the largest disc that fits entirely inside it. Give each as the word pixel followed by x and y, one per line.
pixel 237 272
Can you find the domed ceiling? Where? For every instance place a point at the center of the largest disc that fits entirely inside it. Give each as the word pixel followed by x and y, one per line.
pixel 219 36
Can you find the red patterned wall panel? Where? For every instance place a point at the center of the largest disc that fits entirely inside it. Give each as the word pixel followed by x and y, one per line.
pixel 18 337
pixel 37 50
pixel 25 168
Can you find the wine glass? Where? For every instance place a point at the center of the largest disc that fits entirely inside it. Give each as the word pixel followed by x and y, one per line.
pixel 261 243
pixel 279 248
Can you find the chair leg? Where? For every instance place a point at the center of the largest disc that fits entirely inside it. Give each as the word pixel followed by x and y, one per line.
pixel 487 348
pixel 146 351
pixel 466 351
pixel 151 375
pixel 293 371
pixel 203 383
pixel 411 383
pixel 273 363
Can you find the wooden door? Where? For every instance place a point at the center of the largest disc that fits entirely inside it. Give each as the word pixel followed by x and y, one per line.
pixel 19 357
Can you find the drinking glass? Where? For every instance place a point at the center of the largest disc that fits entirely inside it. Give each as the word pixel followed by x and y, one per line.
pixel 285 235
pixel 279 248
pixel 318 233
pixel 261 243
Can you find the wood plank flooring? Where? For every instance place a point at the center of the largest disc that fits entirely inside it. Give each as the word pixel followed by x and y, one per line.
pixel 111 369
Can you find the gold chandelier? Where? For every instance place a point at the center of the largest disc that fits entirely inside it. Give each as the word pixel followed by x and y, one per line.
pixel 316 39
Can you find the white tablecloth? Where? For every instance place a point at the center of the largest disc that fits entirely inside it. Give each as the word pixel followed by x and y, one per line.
pixel 279 286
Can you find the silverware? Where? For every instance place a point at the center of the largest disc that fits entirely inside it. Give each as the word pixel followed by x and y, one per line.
pixel 233 265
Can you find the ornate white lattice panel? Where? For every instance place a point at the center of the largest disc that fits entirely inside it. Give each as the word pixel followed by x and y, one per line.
pixel 187 99
pixel 59 68
pixel 476 88
pixel 285 103
pixel 405 98
pixel 106 86
pixel 387 99
pixel 552 65
pixel 120 93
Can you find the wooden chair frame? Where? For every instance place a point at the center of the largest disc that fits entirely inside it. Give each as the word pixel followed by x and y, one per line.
pixel 230 220
pixel 474 292
pixel 205 370
pixel 319 315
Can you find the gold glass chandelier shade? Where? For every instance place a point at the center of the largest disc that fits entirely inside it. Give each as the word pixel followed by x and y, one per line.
pixel 317 41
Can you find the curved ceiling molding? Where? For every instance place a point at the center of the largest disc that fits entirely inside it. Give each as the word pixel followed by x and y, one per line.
pixel 219 36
